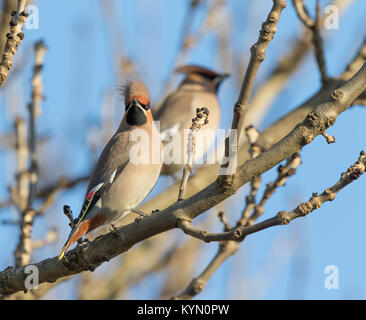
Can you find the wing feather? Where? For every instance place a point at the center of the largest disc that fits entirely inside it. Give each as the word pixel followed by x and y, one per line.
pixel 111 162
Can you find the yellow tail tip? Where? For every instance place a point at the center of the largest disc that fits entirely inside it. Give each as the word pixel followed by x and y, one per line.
pixel 62 253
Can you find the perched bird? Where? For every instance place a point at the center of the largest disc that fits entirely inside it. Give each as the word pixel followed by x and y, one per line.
pixel 198 89
pixel 121 180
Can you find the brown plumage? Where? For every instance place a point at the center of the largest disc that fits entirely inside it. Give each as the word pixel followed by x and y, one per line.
pixel 198 89
pixel 120 182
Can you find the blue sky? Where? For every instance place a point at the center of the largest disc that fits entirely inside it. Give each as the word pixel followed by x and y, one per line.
pixel 79 69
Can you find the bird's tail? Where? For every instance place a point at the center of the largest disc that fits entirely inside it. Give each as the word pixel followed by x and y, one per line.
pixel 75 234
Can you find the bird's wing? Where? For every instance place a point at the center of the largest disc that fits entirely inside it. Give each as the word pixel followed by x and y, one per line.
pixel 111 163
pixel 176 112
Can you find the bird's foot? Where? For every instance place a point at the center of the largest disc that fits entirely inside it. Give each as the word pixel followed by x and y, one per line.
pixel 113 228
pixel 140 213
pixel 141 216
pixel 83 240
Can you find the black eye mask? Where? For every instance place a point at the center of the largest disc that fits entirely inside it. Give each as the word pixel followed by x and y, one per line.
pixel 136 116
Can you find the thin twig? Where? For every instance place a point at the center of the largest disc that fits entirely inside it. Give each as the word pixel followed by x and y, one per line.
pixel 284 172
pixel 224 221
pixel 252 135
pixel 198 122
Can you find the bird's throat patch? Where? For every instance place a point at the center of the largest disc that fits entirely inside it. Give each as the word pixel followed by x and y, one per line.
pixel 136 116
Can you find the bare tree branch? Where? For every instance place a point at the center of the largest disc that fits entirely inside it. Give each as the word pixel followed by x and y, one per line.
pixel 7 8
pixel 284 172
pixel 14 37
pixel 252 136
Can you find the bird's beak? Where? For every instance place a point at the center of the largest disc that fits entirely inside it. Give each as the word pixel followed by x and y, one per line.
pixel 136 104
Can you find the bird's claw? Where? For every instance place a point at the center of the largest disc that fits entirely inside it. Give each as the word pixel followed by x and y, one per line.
pixel 140 213
pixel 138 220
pixel 113 228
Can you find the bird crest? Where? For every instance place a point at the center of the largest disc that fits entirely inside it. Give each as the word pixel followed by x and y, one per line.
pixel 135 89
pixel 194 69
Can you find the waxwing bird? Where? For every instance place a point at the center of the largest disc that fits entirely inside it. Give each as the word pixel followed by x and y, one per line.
pixel 198 89
pixel 126 170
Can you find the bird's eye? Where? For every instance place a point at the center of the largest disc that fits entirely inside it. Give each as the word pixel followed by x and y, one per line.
pixel 146 106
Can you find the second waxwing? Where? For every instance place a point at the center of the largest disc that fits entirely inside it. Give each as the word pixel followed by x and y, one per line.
pixel 197 90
